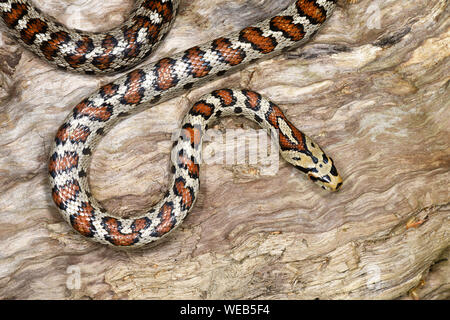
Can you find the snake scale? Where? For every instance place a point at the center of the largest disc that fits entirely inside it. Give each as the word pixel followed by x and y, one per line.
pixel 124 47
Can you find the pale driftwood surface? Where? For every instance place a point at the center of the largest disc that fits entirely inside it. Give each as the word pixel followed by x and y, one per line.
pixel 372 89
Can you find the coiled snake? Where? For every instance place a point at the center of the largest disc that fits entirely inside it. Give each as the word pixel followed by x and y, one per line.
pixel 123 48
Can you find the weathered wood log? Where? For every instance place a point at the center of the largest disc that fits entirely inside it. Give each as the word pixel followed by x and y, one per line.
pixel 371 88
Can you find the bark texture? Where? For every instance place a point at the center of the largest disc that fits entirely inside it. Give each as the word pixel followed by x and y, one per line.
pixel 372 88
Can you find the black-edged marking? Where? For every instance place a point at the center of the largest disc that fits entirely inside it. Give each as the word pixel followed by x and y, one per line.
pixel 62 163
pixel 252 100
pixel 15 14
pixel 165 74
pixel 223 47
pixel 192 134
pixel 185 192
pixel 287 26
pixel 82 221
pixel 86 108
pixel 135 89
pixel 168 220
pixel 198 66
pixel 254 36
pixel 63 195
pixel 106 58
pixel 203 109
pixel 311 10
pixel 226 97
pixel 33 28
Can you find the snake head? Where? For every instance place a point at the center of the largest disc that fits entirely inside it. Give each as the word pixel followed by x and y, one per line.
pixel 326 176
pixel 316 165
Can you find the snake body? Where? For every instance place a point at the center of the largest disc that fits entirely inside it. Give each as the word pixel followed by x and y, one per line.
pixel 157 82
pixel 90 52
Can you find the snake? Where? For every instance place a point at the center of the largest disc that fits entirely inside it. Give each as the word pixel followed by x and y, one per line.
pixel 114 51
pixel 151 84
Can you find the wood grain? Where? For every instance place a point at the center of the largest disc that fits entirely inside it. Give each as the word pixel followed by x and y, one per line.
pixel 372 88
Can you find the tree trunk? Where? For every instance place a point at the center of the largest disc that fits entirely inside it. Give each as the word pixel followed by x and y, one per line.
pixel 371 89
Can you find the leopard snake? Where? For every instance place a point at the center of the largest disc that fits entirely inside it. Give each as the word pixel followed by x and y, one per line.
pixel 123 48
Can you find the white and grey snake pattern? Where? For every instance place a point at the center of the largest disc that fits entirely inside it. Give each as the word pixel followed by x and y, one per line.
pixel 94 116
